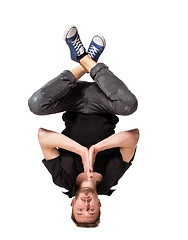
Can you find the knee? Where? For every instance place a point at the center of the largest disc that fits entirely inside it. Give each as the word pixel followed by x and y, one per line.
pixel 34 105
pixel 132 105
pixel 128 106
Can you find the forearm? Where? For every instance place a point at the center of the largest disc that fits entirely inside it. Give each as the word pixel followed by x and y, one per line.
pixel 121 139
pixel 50 140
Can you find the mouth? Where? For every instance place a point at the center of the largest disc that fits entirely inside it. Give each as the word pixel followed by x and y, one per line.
pixel 85 192
pixel 86 198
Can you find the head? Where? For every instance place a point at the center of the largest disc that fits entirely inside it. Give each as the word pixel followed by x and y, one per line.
pixel 86 208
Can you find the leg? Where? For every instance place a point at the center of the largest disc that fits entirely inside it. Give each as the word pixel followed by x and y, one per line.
pixel 62 93
pixel 111 94
pixel 50 98
pixel 78 72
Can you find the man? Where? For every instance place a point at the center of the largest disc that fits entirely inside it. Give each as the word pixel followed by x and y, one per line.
pixel 87 158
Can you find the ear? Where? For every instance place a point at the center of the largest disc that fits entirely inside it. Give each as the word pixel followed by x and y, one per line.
pixel 72 202
pixel 99 203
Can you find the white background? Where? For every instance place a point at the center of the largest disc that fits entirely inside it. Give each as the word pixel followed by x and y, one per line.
pixel 147 47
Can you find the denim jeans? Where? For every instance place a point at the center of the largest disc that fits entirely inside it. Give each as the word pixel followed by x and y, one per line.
pixel 107 94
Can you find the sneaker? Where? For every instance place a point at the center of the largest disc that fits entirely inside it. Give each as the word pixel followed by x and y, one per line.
pixel 72 39
pixel 96 47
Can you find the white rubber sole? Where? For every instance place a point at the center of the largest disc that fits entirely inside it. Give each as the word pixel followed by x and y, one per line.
pixel 102 38
pixel 68 30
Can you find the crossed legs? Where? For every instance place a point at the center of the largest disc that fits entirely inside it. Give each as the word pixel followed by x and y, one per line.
pixel 86 64
pixel 107 94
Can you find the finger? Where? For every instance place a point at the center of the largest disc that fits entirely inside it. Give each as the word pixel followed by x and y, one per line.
pixel 91 168
pixel 90 176
pixel 91 173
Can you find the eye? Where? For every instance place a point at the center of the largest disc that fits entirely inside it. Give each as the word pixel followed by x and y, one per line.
pixel 91 209
pixel 80 209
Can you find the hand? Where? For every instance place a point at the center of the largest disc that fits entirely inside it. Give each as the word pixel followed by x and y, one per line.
pixel 92 156
pixel 86 163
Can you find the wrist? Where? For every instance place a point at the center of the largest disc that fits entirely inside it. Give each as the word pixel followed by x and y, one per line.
pixel 82 151
pixel 97 148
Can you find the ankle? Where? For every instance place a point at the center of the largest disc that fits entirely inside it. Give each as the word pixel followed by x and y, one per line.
pixel 81 56
pixel 87 63
pixel 78 72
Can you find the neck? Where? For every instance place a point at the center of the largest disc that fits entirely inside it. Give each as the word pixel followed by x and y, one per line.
pixel 82 180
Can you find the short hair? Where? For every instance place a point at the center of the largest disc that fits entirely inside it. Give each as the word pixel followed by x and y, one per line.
pixel 86 224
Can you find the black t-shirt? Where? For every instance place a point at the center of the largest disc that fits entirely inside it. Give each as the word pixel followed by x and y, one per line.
pixel 88 129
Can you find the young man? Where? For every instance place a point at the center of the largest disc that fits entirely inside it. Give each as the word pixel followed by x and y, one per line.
pixel 87 158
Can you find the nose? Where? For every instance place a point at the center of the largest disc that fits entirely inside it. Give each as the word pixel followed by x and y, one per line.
pixel 87 206
pixel 87 203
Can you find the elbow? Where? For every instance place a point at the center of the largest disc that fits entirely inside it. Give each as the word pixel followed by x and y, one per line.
pixel 136 135
pixel 41 135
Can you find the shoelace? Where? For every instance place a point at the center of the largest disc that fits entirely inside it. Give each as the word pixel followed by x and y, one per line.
pixel 92 51
pixel 77 44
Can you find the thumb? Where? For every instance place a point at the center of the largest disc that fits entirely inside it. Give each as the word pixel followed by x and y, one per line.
pixel 91 174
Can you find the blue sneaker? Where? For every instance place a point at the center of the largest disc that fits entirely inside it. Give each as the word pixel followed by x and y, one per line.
pixel 72 39
pixel 96 47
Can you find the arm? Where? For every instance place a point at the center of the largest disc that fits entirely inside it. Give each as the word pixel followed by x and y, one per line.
pixel 50 141
pixel 125 140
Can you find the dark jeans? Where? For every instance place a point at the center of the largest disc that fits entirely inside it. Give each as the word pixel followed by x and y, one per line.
pixel 107 94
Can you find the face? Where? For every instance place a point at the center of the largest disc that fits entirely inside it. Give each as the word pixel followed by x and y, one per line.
pixel 86 205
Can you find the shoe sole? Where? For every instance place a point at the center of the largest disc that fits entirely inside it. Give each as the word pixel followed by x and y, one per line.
pixel 102 38
pixel 67 31
pixel 72 26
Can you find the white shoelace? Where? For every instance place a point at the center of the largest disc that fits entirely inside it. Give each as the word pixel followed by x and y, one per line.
pixel 77 44
pixel 92 51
